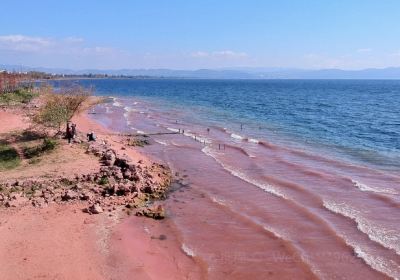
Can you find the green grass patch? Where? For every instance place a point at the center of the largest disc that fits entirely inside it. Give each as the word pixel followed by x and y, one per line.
pixel 17 97
pixel 9 157
pixel 103 181
pixel 46 146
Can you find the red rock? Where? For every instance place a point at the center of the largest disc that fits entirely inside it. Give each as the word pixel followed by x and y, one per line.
pixel 16 201
pixel 70 195
pixel 95 209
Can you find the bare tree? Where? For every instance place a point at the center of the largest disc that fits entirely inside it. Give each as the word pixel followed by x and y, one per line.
pixel 61 105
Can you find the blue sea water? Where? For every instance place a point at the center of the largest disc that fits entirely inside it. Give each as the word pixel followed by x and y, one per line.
pixel 356 119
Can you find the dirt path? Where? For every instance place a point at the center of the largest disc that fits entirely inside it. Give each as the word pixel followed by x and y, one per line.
pixel 10 121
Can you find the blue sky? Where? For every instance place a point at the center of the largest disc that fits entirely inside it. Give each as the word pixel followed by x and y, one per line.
pixel 189 34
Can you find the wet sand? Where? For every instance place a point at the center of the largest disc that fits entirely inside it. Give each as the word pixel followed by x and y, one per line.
pixel 251 209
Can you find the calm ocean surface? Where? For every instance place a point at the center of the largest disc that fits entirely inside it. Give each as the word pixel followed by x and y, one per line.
pixel 355 120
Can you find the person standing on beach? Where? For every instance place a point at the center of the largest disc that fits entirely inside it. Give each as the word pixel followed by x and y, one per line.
pixel 69 133
pixel 91 136
pixel 73 130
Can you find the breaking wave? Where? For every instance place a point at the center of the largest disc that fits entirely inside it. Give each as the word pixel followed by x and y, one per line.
pixel 377 234
pixel 173 129
pixel 161 142
pixel 252 140
pixel 116 103
pixel 388 238
pixel 237 136
pixel 264 186
pixel 189 252
pixel 366 188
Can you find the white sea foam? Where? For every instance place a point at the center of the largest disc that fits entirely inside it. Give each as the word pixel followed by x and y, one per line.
pixel 117 104
pixel 129 109
pixel 389 268
pixel 187 250
pixel 187 133
pixel 237 136
pixel 161 142
pixel 173 129
pixel 197 137
pixel 237 173
pixel 388 238
pixel 176 144
pixel 108 110
pixel 366 188
pixel 379 263
pixel 255 141
pixel 218 201
pixel 140 132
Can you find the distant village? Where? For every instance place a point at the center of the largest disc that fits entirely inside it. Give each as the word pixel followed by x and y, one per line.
pixel 10 77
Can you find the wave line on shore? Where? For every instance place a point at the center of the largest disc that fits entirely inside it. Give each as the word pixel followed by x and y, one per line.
pixel 366 188
pixel 388 238
pixel 188 251
pixel 266 187
pixel 387 267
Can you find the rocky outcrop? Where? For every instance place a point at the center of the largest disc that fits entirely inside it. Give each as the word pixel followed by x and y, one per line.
pixel 95 209
pixel 119 182
pixel 156 212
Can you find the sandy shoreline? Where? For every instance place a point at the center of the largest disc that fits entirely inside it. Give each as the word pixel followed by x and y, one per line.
pixel 63 242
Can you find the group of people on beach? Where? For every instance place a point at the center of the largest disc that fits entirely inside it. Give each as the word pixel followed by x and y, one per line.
pixel 70 133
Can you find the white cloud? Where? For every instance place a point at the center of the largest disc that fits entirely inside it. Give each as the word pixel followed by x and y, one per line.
pixel 230 54
pixel 74 40
pixel 65 46
pixel 200 54
pixel 364 50
pixel 73 52
pixel 23 43
pixel 219 54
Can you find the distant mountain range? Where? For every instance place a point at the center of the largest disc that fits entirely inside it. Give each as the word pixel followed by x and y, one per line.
pixel 228 73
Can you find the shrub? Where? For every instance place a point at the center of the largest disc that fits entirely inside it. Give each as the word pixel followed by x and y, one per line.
pixel 103 181
pixel 9 157
pixel 17 97
pixel 46 146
